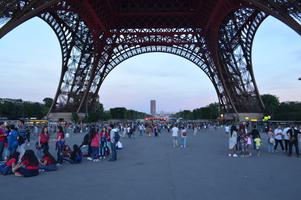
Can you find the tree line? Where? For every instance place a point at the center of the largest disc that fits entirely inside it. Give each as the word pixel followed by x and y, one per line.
pixel 21 109
pixel 286 111
pixel 16 109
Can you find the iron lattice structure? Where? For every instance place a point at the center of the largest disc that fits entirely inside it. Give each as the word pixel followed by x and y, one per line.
pixel 95 36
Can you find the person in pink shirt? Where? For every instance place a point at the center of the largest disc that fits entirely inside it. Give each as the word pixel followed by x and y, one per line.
pixel 60 144
pixel 95 139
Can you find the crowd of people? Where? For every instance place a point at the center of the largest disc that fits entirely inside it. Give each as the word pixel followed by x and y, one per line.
pixel 16 159
pixel 243 141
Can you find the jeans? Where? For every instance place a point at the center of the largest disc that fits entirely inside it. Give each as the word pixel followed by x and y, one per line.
pixel 114 153
pixel 95 152
pixel 1 150
pixel 184 141
pixel 49 168
pixel 60 148
pixel 276 144
pixel 270 147
pixel 175 141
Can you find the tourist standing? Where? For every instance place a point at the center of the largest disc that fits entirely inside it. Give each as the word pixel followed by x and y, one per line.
pixel 271 140
pixel 12 139
pixel 184 137
pixel 3 136
pixel 95 141
pixel 175 131
pixel 232 141
pixel 255 134
pixel 114 136
pixel 227 129
pixel 286 138
pixel 60 144
pixel 293 138
pixel 278 133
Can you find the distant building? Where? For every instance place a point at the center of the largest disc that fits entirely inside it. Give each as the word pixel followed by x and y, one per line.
pixel 153 107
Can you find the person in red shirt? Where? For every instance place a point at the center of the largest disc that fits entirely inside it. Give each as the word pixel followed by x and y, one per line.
pixel 48 162
pixel 60 144
pixel 29 165
pixel 44 139
pixel 3 136
pixel 95 144
pixel 6 168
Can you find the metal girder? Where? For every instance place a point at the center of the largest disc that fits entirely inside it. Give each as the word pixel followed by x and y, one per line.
pixel 96 36
pixel 77 58
pixel 287 11
pixel 236 37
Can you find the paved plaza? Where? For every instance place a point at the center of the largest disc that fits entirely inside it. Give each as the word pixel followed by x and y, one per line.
pixel 149 168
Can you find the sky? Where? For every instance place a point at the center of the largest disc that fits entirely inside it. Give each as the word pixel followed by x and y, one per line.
pixel 30 64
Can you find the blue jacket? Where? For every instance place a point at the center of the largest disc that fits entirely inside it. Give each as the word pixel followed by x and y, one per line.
pixel 12 140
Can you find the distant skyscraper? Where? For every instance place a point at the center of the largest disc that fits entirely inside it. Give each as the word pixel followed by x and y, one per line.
pixel 153 107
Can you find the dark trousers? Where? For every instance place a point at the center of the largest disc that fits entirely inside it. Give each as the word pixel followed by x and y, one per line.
pixel 286 144
pixel 114 153
pixel 1 150
pixel 291 144
pixel 60 157
pixel 276 144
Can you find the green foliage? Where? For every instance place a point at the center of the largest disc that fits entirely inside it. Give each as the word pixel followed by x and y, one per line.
pixel 290 111
pixel 48 102
pixel 209 112
pixel 16 110
pixel 75 117
pixel 271 104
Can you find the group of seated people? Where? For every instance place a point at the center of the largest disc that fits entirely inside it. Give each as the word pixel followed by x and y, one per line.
pixel 30 164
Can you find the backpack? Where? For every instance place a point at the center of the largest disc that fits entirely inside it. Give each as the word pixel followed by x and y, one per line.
pixel 116 137
pixel 20 140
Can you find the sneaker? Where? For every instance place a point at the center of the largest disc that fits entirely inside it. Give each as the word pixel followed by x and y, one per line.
pixel 235 155
pixel 230 155
pixel 95 160
pixel 89 158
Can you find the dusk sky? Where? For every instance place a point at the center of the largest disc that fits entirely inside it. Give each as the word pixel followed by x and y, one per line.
pixel 30 61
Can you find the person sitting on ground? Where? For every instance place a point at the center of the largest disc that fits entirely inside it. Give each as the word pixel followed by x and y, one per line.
pixel 86 145
pixel 76 155
pixel 67 153
pixel 48 162
pixel 6 168
pixel 29 165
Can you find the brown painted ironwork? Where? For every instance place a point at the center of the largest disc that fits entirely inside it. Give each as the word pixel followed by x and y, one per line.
pixel 96 36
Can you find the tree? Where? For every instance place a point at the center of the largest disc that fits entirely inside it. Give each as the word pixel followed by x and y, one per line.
pixel 48 102
pixel 75 117
pixel 271 103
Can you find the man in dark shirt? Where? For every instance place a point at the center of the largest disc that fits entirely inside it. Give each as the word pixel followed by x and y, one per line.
pixel 255 134
pixel 293 140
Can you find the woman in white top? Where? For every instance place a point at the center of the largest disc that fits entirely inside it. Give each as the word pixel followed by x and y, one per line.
pixel 232 141
pixel 184 137
pixel 175 131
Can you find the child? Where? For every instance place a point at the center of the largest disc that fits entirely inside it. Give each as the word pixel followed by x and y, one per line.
pixel 48 162
pixel 257 141
pixel 76 155
pixel 6 168
pixel 29 165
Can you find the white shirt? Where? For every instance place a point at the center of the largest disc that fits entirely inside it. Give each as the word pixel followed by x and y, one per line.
pixel 285 133
pixel 175 131
pixel 227 129
pixel 278 131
